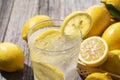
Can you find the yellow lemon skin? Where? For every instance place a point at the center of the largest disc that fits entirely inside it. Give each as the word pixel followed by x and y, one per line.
pixel 98 76
pixel 32 21
pixel 112 64
pixel 112 36
pixel 11 57
pixel 101 18
pixel 115 3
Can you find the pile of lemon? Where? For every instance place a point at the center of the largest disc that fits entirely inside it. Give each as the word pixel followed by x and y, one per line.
pixel 100 47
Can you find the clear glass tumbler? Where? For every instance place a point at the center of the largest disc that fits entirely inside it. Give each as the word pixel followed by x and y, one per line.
pixel 55 59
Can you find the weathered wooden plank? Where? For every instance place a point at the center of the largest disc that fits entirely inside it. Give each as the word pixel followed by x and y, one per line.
pixel 54 9
pixel 0 5
pixel 62 12
pixel 5 12
pixel 79 5
pixel 43 7
pixel 59 9
pixel 21 12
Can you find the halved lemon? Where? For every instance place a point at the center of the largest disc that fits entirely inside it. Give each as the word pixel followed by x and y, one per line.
pixel 93 51
pixel 46 38
pixel 76 20
pixel 47 72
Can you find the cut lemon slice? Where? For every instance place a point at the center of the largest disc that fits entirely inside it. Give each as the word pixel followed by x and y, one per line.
pixel 45 40
pixel 93 51
pixel 49 34
pixel 76 20
pixel 44 71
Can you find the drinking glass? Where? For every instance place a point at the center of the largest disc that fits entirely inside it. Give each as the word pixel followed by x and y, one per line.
pixel 58 61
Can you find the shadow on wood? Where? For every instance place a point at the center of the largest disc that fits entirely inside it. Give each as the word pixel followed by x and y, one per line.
pixel 25 74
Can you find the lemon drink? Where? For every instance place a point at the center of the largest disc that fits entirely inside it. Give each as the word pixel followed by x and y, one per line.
pixel 54 55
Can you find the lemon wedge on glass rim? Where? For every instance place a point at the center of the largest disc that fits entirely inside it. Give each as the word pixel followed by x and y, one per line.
pixel 76 20
pixel 93 51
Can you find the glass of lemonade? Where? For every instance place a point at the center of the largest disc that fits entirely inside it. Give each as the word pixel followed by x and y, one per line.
pixel 54 55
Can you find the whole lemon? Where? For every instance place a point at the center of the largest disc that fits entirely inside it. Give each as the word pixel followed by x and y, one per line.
pixel 31 22
pixel 101 18
pixel 112 36
pixel 98 76
pixel 115 3
pixel 112 64
pixel 11 57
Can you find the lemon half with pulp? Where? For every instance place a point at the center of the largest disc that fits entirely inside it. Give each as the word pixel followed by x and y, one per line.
pixel 93 51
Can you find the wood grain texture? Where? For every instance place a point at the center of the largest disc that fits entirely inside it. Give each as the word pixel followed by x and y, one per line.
pixel 21 12
pixel 5 13
pixel 43 7
pixel 13 15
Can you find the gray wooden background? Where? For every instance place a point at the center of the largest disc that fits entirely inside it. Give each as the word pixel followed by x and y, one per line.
pixel 13 15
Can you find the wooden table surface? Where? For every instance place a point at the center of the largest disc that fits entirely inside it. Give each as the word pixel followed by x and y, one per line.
pixel 13 15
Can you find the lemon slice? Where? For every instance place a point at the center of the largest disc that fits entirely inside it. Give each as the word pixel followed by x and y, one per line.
pixel 76 20
pixel 93 51
pixel 49 34
pixel 47 72
pixel 46 38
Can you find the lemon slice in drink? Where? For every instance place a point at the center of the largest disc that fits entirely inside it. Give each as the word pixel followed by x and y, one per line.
pixel 93 51
pixel 76 20
pixel 48 34
pixel 46 38
pixel 45 71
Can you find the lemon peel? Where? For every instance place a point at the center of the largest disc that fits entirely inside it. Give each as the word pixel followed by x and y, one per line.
pixel 111 36
pixel 101 19
pixel 31 22
pixel 11 57
pixel 98 76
